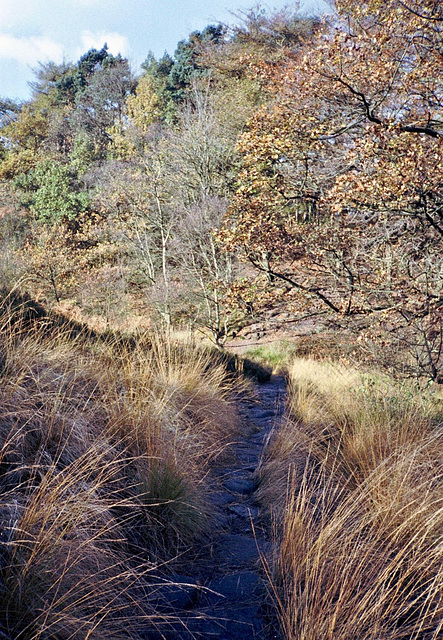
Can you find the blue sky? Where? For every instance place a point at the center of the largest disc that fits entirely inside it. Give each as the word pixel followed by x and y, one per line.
pixel 42 30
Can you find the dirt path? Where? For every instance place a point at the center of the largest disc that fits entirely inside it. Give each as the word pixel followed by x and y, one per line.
pixel 222 596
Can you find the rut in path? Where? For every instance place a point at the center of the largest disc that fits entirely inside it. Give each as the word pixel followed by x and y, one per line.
pixel 223 595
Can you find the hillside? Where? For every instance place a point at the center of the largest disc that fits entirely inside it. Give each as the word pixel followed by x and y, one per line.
pixel 221 335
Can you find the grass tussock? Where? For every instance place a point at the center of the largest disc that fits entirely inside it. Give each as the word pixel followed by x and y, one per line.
pixel 105 448
pixel 356 475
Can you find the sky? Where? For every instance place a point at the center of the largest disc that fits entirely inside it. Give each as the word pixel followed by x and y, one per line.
pixel 33 31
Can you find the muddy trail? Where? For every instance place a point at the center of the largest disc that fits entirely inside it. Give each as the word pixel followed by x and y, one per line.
pixel 223 594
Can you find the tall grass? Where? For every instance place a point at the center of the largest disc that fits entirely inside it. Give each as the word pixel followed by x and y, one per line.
pixel 105 451
pixel 356 473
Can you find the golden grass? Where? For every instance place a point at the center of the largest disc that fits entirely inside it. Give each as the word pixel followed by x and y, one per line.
pixel 105 450
pixel 356 475
pixel 353 420
pixel 345 571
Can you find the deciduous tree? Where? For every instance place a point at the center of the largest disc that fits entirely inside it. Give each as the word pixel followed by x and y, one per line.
pixel 340 195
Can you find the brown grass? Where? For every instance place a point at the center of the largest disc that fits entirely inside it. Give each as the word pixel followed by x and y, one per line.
pixel 361 524
pixel 105 450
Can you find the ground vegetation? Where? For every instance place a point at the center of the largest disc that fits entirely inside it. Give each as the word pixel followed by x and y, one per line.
pixel 277 178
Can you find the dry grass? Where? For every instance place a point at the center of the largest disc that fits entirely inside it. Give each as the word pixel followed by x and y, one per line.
pixel 104 453
pixel 352 421
pixel 361 525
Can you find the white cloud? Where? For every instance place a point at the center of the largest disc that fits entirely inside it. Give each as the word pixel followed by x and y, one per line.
pixel 7 11
pixel 29 50
pixel 117 43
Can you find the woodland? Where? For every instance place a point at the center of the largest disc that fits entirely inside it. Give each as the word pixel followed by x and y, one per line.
pixel 273 189
pixel 286 165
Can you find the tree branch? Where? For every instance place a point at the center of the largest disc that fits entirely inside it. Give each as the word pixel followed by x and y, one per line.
pixel 419 15
pixel 281 276
pixel 373 118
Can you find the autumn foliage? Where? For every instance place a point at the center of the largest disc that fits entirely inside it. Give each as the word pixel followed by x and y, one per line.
pixel 340 195
pixel 285 165
pixel 281 177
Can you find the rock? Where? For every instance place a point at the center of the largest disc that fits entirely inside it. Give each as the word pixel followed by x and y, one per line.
pixel 234 587
pixel 243 510
pixel 260 438
pixel 178 593
pixel 241 550
pixel 239 623
pixel 249 455
pixel 262 414
pixel 248 468
pixel 210 625
pixel 244 623
pixel 221 498
pixel 240 485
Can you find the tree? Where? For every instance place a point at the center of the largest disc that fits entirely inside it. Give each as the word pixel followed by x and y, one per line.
pixel 171 78
pixel 135 198
pixel 8 112
pixel 68 100
pixel 50 77
pixel 270 35
pixel 145 106
pixel 155 85
pixel 200 150
pixel 209 271
pixel 51 268
pixel 339 199
pixel 56 196
pixel 165 201
pixel 23 134
pixel 29 129
pixel 186 65
pixel 199 159
pixel 101 103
